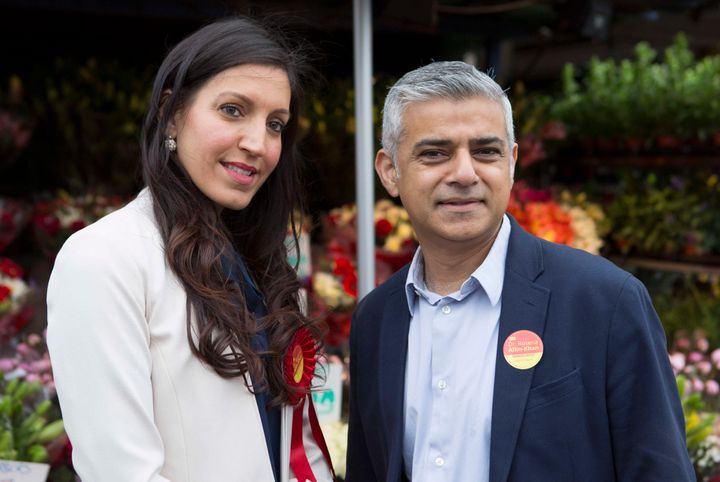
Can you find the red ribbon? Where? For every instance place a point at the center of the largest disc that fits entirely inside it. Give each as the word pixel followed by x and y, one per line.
pixel 300 362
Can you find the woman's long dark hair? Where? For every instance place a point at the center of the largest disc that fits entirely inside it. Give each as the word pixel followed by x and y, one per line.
pixel 200 245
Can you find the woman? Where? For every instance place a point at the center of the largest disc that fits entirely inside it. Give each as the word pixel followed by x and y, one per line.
pixel 179 349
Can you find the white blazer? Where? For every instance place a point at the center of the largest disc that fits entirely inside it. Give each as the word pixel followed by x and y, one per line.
pixel 138 405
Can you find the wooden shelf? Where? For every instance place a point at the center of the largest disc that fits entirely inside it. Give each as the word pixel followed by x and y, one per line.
pixel 665 265
pixel 653 160
pixel 706 157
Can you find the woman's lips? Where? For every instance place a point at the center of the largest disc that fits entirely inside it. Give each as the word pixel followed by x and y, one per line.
pixel 240 173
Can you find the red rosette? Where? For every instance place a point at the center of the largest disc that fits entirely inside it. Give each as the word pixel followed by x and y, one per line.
pixel 299 367
pixel 300 361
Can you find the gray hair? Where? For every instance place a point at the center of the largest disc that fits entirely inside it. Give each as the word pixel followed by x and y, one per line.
pixel 453 80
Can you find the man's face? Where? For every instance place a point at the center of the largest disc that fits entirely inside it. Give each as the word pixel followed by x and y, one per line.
pixel 454 170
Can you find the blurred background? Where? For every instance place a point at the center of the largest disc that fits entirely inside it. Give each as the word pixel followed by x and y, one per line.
pixel 617 112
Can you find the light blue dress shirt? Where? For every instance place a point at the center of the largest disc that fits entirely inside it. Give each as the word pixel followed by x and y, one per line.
pixel 450 373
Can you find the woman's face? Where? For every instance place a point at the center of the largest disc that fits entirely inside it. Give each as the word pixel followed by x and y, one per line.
pixel 229 137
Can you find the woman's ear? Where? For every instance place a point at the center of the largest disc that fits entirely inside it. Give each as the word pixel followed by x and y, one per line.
pixel 171 129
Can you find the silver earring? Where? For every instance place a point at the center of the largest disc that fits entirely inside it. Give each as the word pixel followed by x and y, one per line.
pixel 170 144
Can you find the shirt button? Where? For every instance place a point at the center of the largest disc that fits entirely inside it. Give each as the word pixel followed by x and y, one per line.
pixel 446 309
pixel 439 461
pixel 442 384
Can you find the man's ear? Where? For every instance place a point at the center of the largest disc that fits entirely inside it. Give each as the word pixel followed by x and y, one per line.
pixel 387 172
pixel 513 160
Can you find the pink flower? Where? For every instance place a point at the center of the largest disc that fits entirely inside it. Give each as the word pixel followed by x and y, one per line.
pixel 702 344
pixel 44 365
pixel 715 357
pixel 33 339
pixel 31 377
pixel 677 360
pixel 697 385
pixel 704 367
pixel 694 357
pixel 682 343
pixel 712 387
pixel 23 349
pixel 7 365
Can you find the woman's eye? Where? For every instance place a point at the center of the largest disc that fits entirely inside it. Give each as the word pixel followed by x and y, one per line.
pixel 276 126
pixel 231 110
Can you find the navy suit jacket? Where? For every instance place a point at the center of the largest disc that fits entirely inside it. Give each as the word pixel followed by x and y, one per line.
pixel 601 405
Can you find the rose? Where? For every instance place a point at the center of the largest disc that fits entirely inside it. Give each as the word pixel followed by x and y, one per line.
pixel 383 228
pixel 4 293
pixel 10 269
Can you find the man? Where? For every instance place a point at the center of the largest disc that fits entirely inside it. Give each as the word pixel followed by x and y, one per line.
pixel 497 356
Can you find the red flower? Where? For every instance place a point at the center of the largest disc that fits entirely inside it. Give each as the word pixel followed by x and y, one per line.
pixel 77 225
pixel 48 223
pixel 343 266
pixel 7 218
pixel 338 328
pixel 350 285
pixel 9 268
pixel 346 271
pixel 382 228
pixel 554 131
pixel 4 293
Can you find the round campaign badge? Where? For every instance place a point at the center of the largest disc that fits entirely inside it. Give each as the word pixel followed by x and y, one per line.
pixel 523 349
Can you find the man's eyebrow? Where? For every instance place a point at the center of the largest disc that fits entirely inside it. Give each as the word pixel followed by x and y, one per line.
pixel 433 143
pixel 484 141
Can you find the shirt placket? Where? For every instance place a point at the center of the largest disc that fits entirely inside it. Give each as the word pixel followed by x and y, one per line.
pixel 442 388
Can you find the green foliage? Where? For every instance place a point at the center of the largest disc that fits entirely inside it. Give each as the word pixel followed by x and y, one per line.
pixel 698 425
pixel 24 426
pixel 530 112
pixel 643 97
pixel 666 216
pixel 698 429
pixel 92 113
pixel 686 303
pixel 328 136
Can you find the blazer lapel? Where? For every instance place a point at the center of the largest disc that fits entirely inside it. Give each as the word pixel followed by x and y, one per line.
pixel 393 354
pixel 524 307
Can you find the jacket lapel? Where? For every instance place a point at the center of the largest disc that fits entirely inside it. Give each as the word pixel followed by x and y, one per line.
pixel 393 355
pixel 524 307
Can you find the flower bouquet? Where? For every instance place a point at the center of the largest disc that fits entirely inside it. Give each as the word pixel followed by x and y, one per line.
pixel 14 214
pixel 573 221
pixel 333 292
pixel 54 220
pixel 30 362
pixel 691 357
pixel 15 294
pixel 394 235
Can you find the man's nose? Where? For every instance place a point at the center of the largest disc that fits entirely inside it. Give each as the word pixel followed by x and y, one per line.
pixel 463 169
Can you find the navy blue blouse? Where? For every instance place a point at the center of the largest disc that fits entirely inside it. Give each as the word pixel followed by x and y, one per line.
pixel 270 417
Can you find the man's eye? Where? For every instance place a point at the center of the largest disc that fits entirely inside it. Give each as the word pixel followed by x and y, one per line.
pixel 488 151
pixel 432 154
pixel 231 110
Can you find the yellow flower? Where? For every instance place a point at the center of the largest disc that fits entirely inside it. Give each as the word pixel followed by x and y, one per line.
pixel 393 243
pixel 404 231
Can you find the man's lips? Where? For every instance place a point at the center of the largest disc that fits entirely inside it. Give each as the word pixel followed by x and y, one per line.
pixel 460 201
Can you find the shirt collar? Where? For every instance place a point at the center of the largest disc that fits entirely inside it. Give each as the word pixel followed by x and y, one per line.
pixel 490 274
